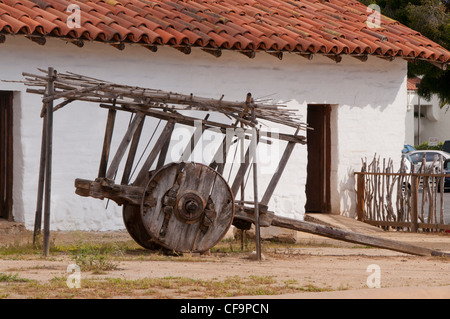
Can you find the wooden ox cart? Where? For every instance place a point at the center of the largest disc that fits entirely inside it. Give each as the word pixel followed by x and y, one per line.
pixel 180 205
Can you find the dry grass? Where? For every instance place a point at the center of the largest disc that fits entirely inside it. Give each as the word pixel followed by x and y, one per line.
pixel 104 258
pixel 167 287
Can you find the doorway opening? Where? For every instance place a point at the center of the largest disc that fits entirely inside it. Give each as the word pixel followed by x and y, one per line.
pixel 319 159
pixel 6 155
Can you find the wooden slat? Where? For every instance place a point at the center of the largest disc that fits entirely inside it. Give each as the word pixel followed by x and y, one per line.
pixel 132 153
pixel 279 171
pixel 107 142
pixel 243 169
pixel 163 138
pixel 165 148
pixel 124 145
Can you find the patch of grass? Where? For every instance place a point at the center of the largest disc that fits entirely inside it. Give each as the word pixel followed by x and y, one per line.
pixel 175 287
pixel 95 258
pixel 18 250
pixel 12 278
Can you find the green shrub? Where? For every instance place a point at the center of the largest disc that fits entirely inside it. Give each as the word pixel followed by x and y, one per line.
pixel 425 146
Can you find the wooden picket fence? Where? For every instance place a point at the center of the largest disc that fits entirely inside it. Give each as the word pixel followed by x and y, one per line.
pixel 402 200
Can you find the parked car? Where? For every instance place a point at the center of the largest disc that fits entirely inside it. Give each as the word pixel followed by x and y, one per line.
pixel 446 146
pixel 447 179
pixel 417 156
pixel 408 148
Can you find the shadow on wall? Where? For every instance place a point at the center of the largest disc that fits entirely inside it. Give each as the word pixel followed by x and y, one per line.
pixel 347 194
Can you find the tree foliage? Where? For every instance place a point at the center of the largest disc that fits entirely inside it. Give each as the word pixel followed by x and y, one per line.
pixel 432 19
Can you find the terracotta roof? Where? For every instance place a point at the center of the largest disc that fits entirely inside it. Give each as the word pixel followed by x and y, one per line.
pixel 330 27
pixel 412 84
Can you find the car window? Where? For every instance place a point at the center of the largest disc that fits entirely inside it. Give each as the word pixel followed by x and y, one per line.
pixel 430 157
pixel 447 165
pixel 417 157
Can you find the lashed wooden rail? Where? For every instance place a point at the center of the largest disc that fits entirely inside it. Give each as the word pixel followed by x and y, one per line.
pixel 409 201
pixel 71 87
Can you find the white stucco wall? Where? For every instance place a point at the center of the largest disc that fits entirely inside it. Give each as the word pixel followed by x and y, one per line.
pixel 368 113
pixel 433 123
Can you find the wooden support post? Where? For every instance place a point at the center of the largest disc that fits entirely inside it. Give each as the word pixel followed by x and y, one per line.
pixel 132 153
pixel 41 181
pixel 414 202
pixel 124 145
pixel 253 145
pixel 107 142
pixel 48 161
pixel 163 138
pixel 361 189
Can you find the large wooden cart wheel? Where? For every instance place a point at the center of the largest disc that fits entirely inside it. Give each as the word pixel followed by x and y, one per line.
pixel 187 207
pixel 133 223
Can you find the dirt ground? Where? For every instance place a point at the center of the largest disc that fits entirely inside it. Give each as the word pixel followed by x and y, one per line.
pixel 313 267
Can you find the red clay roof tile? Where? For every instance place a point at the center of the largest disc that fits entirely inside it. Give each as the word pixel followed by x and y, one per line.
pixel 301 26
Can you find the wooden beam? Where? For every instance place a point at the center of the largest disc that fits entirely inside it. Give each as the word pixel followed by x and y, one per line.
pixel 352 237
pixel 102 188
pixel 190 121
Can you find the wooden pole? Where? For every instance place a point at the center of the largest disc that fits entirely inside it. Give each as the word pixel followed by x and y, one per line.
pixel 361 189
pixel 48 162
pixel 253 145
pixel 41 182
pixel 414 202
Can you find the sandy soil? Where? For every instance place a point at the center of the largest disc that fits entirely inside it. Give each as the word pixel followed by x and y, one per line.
pixel 325 264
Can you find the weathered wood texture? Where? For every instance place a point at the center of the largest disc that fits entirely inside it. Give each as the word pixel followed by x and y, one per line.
pixel 70 86
pixel 188 207
pixel 353 237
pixel 409 201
